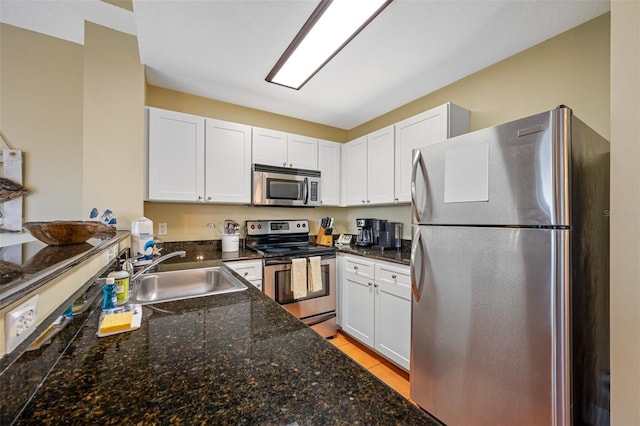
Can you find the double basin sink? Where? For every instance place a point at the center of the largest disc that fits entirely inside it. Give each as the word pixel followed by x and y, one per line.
pixel 184 284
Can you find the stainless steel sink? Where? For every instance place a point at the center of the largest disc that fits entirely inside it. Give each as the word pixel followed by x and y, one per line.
pixel 184 284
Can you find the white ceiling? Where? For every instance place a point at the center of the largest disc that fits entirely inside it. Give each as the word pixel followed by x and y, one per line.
pixel 224 49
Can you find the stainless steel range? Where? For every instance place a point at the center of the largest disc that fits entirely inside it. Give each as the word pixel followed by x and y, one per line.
pixel 298 275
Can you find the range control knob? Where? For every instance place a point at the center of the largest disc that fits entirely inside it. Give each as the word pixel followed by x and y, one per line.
pixel 304 225
pixel 253 227
pixel 259 226
pixel 298 225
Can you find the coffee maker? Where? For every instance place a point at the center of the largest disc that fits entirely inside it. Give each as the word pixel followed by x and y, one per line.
pixel 365 232
pixel 387 234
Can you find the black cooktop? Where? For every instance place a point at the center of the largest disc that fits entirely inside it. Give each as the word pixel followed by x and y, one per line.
pixel 294 250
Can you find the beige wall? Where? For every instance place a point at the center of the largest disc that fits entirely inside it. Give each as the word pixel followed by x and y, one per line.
pixel 571 69
pixel 77 113
pixel 625 204
pixel 191 104
pixel 187 222
pixel 41 81
pixel 113 153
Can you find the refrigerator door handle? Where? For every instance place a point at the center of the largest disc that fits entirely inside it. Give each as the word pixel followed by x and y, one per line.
pixel 417 242
pixel 418 160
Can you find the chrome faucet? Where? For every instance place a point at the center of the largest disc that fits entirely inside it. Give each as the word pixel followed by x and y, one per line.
pixel 153 263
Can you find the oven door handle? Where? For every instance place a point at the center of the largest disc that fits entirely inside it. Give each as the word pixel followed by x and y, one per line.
pixel 287 260
pixel 306 191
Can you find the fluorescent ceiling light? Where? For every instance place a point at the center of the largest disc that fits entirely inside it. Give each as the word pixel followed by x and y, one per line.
pixel 332 25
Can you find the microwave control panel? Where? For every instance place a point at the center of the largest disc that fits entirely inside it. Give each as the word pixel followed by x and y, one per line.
pixel 313 196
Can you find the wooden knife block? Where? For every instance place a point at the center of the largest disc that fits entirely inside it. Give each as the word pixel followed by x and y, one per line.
pixel 322 239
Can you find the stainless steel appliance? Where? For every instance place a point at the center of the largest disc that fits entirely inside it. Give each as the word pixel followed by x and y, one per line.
pixel 281 242
pixel 509 270
pixel 365 232
pixel 283 186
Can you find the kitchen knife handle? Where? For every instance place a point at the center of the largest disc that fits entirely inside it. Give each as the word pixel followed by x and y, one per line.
pixel 418 160
pixel 417 242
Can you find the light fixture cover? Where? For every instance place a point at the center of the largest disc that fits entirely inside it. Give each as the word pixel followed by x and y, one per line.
pixel 331 26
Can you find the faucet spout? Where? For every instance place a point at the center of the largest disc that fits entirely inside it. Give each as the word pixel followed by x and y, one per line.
pixel 153 263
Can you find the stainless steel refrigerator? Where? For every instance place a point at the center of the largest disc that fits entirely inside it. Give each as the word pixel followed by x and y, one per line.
pixel 510 275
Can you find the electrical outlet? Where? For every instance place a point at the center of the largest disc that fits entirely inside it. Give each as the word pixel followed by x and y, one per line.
pixel 162 228
pixel 20 322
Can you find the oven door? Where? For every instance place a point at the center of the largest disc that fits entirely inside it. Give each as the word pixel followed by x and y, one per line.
pixel 277 285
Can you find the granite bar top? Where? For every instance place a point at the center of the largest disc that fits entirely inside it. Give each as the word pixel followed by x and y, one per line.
pixel 236 358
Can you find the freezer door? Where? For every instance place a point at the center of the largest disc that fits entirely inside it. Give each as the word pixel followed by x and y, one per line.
pixel 489 325
pixel 513 174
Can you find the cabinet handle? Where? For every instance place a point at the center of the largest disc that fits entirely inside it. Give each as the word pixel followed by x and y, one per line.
pixel 199 197
pixel 368 201
pixel 369 284
pixel 290 165
pixel 284 164
pixel 364 202
pixel 395 199
pixel 355 267
pixel 393 276
pixel 375 285
pixel 209 198
pixel 246 273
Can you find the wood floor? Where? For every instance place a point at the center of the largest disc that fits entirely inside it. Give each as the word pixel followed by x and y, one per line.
pixel 393 376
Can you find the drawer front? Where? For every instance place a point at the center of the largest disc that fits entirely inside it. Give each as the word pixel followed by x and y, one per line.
pixel 392 274
pixel 248 269
pixel 359 266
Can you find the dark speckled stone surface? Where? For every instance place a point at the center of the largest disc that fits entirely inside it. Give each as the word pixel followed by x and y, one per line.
pixel 237 358
pixel 391 255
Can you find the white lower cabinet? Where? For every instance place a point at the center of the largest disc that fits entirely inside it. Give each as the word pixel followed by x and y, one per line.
pixel 375 305
pixel 250 270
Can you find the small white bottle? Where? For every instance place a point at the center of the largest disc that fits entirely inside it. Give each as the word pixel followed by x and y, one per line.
pixel 121 279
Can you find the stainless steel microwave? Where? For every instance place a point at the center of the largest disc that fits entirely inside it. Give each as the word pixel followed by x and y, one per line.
pixel 283 186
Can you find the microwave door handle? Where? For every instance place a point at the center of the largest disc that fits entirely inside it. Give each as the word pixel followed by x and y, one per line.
pixel 306 191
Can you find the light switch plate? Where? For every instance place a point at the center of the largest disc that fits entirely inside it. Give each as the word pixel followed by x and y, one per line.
pixel 20 322
pixel 162 228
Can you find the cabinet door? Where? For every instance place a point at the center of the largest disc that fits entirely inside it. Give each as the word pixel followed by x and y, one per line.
pixel 250 270
pixel 355 172
pixel 228 162
pixel 393 312
pixel 302 152
pixel 329 165
pixel 176 156
pixel 358 314
pixel 380 165
pixel 428 127
pixel 269 147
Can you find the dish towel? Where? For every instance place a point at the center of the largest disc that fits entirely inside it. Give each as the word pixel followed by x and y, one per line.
pixel 299 278
pixel 315 277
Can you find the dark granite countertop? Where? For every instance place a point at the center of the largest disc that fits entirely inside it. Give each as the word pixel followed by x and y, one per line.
pixel 237 358
pixel 402 256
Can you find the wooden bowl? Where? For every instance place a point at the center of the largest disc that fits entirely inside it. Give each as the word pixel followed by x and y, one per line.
pixel 62 232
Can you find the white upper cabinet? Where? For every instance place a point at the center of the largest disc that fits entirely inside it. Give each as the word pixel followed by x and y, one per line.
pixel 380 164
pixel 428 127
pixel 302 152
pixel 368 169
pixel 228 162
pixel 329 154
pixel 197 159
pixel 275 148
pixel 175 156
pixel 269 147
pixel 354 166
